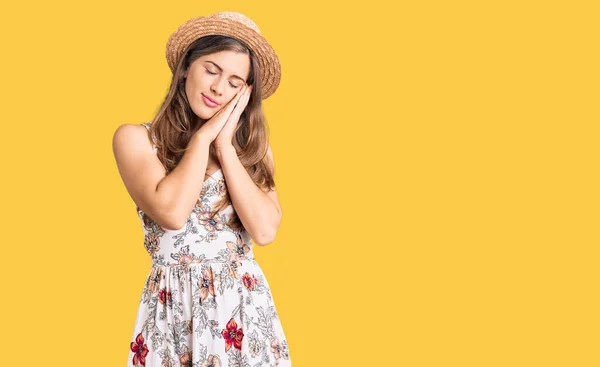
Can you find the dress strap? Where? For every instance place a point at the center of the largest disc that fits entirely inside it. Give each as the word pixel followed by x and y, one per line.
pixel 147 125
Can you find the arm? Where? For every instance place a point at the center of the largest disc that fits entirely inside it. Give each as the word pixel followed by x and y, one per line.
pixel 167 199
pixel 259 211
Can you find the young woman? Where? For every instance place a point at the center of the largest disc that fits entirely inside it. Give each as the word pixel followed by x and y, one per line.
pixel 201 175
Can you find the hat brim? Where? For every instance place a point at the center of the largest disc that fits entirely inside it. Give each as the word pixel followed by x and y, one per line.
pixel 188 32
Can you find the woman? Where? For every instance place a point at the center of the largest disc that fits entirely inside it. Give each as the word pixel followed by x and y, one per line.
pixel 206 301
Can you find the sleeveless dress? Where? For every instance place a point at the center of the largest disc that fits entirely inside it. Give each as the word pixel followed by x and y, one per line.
pixel 206 301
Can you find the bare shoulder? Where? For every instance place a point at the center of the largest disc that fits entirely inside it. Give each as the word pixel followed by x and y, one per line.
pixel 134 151
pixel 140 170
pixel 131 137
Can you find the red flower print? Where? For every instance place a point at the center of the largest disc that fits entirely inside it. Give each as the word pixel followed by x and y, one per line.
pixel 164 296
pixel 232 335
pixel 206 284
pixel 249 281
pixel 140 349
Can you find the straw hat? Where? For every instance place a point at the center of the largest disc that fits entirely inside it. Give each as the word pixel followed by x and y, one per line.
pixel 234 25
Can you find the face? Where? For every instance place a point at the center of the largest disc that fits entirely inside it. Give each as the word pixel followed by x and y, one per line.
pixel 217 77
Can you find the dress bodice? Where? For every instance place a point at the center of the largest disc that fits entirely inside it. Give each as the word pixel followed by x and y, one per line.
pixel 204 237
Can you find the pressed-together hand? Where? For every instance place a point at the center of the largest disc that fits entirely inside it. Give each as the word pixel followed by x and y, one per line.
pixel 225 136
pixel 213 126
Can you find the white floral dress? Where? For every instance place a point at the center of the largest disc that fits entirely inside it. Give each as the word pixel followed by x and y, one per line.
pixel 206 301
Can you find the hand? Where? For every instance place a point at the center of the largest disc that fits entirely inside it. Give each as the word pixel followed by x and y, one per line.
pixel 210 129
pixel 225 136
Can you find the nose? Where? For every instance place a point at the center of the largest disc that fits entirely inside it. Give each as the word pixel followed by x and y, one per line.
pixel 216 87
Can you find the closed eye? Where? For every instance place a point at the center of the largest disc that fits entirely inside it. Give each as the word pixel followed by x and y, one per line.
pixel 211 73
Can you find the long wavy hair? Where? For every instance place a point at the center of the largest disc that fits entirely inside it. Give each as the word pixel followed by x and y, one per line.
pixel 173 124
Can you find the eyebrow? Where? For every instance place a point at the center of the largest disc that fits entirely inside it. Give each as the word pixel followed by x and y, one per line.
pixel 235 76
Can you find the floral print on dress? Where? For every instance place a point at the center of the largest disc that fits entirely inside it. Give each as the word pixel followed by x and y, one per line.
pixel 140 350
pixel 206 301
pixel 207 286
pixel 233 335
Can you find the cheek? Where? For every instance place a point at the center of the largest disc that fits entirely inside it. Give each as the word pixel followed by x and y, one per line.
pixel 232 96
pixel 189 90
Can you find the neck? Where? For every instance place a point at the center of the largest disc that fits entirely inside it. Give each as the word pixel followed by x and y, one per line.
pixel 197 124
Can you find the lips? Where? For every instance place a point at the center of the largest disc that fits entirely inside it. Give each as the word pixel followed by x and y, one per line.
pixel 209 101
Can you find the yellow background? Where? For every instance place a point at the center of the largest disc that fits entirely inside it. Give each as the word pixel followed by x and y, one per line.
pixel 437 165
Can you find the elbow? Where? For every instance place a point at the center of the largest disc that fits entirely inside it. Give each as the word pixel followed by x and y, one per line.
pixel 262 241
pixel 172 221
pixel 269 236
pixel 265 238
pixel 177 225
pixel 171 226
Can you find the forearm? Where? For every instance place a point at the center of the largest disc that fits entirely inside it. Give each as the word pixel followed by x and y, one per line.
pixel 257 212
pixel 182 186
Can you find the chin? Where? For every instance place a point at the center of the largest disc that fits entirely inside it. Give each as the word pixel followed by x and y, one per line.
pixel 204 112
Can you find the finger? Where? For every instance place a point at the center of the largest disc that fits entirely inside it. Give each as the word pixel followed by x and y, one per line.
pixel 246 92
pixel 242 103
pixel 240 106
pixel 247 95
pixel 235 100
pixel 235 114
pixel 229 109
pixel 244 98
